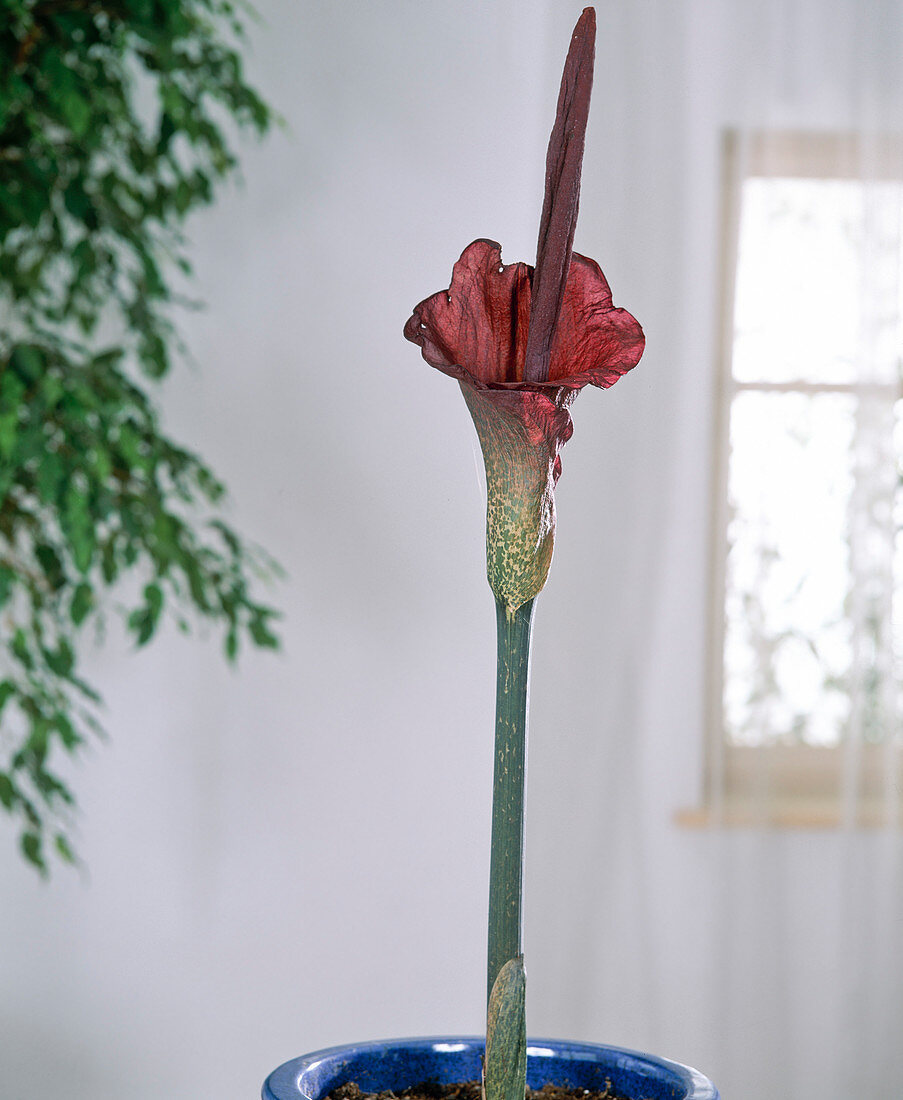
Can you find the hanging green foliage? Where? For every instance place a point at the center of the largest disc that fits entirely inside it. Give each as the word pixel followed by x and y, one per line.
pixel 114 117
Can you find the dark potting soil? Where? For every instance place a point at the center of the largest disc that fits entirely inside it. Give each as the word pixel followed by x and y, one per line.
pixel 469 1090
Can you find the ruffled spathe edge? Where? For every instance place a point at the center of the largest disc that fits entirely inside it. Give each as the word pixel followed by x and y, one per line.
pixel 476 331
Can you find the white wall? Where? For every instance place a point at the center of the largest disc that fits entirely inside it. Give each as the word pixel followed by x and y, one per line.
pixel 296 855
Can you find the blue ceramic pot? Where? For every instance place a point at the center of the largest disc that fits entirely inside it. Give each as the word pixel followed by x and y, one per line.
pixel 398 1063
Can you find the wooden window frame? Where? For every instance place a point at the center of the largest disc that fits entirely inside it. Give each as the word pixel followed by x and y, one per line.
pixel 781 785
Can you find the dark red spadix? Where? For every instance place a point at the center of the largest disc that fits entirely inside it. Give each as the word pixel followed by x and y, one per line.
pixel 564 162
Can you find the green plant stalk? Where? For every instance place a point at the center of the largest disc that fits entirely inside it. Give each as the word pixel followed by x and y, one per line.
pixel 506 871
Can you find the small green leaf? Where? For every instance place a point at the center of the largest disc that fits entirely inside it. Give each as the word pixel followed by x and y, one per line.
pixel 28 362
pixel 212 489
pixel 143 621
pixel 62 659
pixel 7 579
pixel 228 536
pixel 82 602
pixel 109 566
pixel 196 584
pixel 31 846
pixel 9 796
pixel 37 745
pixel 100 464
pixel 51 390
pixel 20 649
pixel 141 624
pixel 506 1034
pixel 153 594
pixel 51 474
pixel 78 527
pixel 129 444
pixel 66 730
pixel 63 850
pixel 261 633
pixel 7 691
pixel 76 200
pixel 154 355
pixel 76 112
pixel 12 393
pixel 52 567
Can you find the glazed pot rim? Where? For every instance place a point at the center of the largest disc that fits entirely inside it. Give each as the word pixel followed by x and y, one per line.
pixel 286 1080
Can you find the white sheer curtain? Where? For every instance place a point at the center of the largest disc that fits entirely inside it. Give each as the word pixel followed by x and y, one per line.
pixel 770 956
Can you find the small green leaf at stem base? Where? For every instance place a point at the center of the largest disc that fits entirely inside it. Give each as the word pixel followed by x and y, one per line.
pixel 505 1067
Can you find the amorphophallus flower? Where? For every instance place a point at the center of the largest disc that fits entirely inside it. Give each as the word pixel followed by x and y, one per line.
pixel 477 331
pixel 522 342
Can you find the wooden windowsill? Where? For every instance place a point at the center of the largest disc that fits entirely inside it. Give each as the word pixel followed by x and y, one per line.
pixel 800 787
pixel 788 814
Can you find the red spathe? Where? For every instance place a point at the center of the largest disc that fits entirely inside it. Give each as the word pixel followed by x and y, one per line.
pixel 477 329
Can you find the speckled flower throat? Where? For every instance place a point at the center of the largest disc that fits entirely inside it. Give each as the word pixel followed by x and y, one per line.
pixel 520 451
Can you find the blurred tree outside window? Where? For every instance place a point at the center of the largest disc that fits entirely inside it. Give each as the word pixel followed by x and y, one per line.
pixel 114 116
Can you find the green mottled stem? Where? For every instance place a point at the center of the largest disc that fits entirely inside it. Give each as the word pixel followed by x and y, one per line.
pixel 506 870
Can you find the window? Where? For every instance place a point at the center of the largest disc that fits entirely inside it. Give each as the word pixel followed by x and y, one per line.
pixel 807 615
